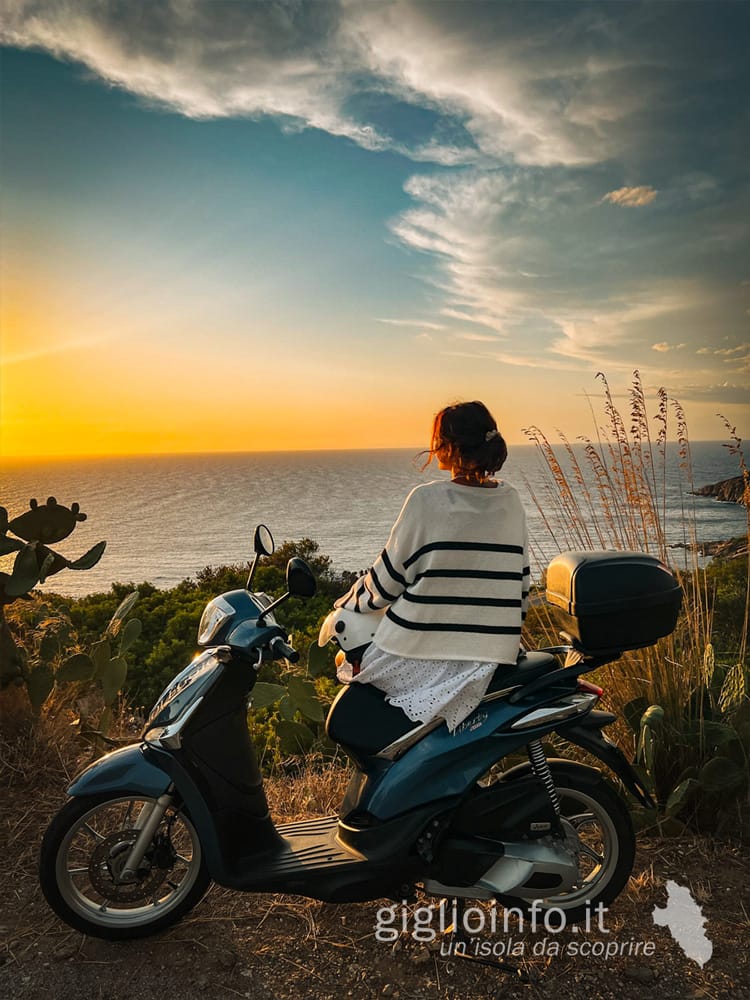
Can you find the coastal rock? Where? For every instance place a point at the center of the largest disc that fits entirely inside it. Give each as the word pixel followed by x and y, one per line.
pixel 728 549
pixel 728 490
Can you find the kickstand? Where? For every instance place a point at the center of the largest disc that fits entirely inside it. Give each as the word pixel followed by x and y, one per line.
pixel 460 941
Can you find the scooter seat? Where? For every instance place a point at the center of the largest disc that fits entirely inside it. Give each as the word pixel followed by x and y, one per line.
pixel 527 668
pixel 362 721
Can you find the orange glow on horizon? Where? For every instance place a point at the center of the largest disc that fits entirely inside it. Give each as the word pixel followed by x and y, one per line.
pixel 98 389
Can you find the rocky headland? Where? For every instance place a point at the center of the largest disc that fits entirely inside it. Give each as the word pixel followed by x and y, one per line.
pixel 728 491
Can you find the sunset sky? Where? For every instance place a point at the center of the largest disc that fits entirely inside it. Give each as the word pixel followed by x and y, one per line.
pixel 245 226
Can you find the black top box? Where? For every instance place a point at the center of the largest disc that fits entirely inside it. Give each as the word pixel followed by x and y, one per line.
pixel 613 601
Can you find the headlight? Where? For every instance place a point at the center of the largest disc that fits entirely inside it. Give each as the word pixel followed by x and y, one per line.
pixel 215 615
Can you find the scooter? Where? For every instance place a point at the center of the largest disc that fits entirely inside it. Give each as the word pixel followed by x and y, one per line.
pixel 149 826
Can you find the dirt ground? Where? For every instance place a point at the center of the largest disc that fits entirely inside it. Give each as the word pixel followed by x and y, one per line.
pixel 265 947
pixel 274 947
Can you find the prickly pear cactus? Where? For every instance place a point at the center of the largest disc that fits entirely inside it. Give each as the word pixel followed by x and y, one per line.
pixel 47 524
pixel 35 529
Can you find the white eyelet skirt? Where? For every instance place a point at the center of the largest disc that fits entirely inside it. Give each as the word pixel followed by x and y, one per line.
pixel 424 689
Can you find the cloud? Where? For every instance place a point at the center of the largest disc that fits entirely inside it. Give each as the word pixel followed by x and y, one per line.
pixel 729 352
pixel 502 84
pixel 724 392
pixel 595 299
pixel 422 324
pixel 63 347
pixel 481 338
pixel 205 59
pixel 633 197
pixel 519 121
pixel 663 347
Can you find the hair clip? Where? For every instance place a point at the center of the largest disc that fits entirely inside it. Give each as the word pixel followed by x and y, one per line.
pixel 490 434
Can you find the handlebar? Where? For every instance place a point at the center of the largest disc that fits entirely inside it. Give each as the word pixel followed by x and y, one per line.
pixel 281 648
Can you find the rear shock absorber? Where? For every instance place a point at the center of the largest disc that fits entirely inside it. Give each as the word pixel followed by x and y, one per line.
pixel 541 769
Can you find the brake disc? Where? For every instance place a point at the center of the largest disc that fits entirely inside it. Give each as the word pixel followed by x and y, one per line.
pixel 107 863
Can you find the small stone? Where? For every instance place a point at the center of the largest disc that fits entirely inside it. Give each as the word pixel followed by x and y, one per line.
pixel 65 951
pixel 389 990
pixel 422 957
pixel 639 974
pixel 227 959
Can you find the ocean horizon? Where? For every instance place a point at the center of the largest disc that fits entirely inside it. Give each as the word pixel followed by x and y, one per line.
pixel 166 517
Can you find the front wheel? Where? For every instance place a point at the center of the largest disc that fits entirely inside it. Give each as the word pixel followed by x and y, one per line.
pixel 83 855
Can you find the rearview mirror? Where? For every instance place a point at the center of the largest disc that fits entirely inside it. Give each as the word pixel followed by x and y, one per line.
pixel 300 581
pixel 263 544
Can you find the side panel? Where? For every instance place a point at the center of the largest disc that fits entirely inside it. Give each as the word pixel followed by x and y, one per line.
pixel 445 764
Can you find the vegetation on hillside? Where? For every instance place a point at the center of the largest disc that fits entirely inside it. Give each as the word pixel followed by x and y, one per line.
pixel 683 703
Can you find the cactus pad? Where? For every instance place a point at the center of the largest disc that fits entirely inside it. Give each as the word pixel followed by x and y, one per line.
pixel 49 523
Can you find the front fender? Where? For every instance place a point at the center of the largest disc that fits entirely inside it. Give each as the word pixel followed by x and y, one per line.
pixel 122 770
pixel 144 770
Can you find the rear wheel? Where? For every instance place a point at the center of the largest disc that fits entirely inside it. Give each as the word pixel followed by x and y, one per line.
pixel 600 832
pixel 83 855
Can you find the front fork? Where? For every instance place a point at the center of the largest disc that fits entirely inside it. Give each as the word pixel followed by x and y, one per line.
pixel 146 824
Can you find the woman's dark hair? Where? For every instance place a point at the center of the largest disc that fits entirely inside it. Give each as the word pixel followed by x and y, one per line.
pixel 468 434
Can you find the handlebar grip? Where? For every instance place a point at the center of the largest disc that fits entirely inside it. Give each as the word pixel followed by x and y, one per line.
pixel 282 648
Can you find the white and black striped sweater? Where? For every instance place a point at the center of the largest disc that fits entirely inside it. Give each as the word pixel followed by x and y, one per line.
pixel 454 576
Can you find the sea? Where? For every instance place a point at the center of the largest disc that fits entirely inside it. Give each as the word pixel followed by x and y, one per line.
pixel 166 517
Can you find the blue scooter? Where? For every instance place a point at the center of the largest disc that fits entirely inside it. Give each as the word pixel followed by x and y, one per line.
pixel 149 826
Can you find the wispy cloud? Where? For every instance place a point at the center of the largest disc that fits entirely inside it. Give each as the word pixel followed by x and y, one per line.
pixel 563 89
pixel 663 346
pixel 46 350
pixel 631 197
pixel 420 324
pixel 528 119
pixel 723 392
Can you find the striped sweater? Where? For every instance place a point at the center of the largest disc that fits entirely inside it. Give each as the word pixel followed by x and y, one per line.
pixel 454 576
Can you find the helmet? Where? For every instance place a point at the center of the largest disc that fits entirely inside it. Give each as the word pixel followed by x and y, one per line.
pixel 350 629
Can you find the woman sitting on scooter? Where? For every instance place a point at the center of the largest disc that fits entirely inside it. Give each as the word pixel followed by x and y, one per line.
pixel 453 576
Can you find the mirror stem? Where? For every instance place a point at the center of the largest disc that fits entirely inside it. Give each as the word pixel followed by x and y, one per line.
pixel 271 607
pixel 251 574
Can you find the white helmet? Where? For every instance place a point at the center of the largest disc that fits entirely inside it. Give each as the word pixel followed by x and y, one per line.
pixel 350 629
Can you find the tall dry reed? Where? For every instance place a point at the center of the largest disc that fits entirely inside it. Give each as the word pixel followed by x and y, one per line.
pixel 614 496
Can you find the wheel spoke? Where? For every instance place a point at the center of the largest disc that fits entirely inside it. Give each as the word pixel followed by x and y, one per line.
pixel 585 849
pixel 581 819
pixel 92 831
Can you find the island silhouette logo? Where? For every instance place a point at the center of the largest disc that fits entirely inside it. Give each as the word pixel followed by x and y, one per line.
pixel 685 921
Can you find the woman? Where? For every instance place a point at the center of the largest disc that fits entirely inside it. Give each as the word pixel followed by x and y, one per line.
pixel 453 576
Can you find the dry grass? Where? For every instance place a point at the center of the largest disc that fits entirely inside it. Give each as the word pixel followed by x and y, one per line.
pixel 616 498
pixel 317 790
